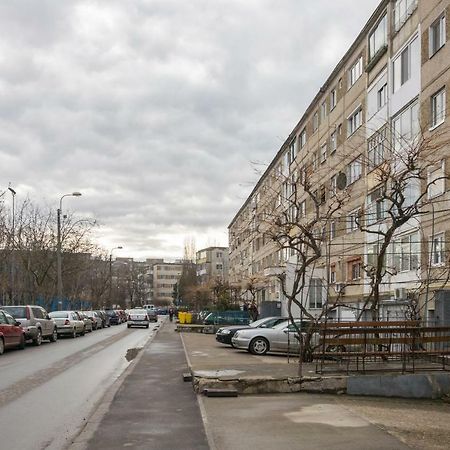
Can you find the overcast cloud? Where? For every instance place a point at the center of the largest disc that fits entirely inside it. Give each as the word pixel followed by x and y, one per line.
pixel 155 109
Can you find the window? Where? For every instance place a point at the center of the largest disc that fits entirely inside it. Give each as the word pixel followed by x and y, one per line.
pixel 315 121
pixel 402 10
pixel 438 108
pixel 302 138
pixel 315 293
pixel 323 111
pixel 3 319
pixel 373 251
pixel 332 230
pixel 323 152
pixel 378 37
pixel 437 250
pixel 375 151
pixel 219 266
pixel 355 72
pixel 354 121
pixel 291 153
pixel 355 270
pixel 37 313
pixel 333 99
pixel 352 220
pixel 436 35
pixel 436 180
pixel 402 64
pixel 333 185
pixel 382 96
pixel 375 207
pixel 332 274
pixel 333 141
pixel 406 126
pixel 353 171
pixel 406 253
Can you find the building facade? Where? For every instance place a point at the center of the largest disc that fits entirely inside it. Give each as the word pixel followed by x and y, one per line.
pixel 165 278
pixel 386 100
pixel 212 264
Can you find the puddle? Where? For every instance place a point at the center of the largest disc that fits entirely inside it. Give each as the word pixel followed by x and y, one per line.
pixel 132 353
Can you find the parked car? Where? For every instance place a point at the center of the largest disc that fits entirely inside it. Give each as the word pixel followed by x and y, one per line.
pixel 87 321
pixel 97 321
pixel 114 317
pixel 68 323
pixel 12 334
pixel 279 339
pixel 227 318
pixel 104 317
pixel 35 322
pixel 139 318
pixel 152 315
pixel 225 334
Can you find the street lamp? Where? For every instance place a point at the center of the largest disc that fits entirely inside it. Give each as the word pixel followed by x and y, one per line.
pixel 13 193
pixel 110 271
pixel 58 248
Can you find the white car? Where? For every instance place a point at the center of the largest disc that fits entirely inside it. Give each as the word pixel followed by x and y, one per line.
pixel 279 339
pixel 138 318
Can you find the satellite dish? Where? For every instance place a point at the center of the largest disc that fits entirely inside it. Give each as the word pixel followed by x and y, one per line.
pixel 341 181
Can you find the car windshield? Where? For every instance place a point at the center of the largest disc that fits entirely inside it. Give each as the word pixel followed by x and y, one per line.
pixel 258 322
pixel 111 313
pixel 59 315
pixel 18 312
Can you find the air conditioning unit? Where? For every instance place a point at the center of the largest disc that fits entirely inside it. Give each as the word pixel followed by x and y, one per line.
pixel 400 294
pixel 339 288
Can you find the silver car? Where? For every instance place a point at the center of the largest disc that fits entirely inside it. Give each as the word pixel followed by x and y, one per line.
pixel 68 323
pixel 138 318
pixel 279 339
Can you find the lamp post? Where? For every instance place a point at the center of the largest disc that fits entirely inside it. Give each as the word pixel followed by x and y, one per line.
pixel 110 271
pixel 13 232
pixel 58 248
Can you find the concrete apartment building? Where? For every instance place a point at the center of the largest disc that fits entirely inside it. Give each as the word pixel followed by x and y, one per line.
pixel 212 264
pixel 165 277
pixel 387 93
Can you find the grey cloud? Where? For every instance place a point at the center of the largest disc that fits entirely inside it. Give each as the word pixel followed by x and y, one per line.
pixel 156 109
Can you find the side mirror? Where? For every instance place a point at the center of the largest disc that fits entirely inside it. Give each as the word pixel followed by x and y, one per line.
pixel 17 323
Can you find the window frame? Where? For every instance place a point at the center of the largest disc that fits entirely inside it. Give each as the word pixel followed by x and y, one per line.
pixel 440 251
pixel 439 24
pixel 355 72
pixel 433 105
pixel 383 19
pixel 351 121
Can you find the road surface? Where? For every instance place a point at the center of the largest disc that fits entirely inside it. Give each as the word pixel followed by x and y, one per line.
pixel 48 392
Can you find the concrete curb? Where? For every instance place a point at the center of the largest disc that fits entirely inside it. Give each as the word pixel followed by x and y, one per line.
pixel 80 441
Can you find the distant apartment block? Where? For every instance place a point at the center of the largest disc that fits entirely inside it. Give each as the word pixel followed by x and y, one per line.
pixel 165 277
pixel 389 90
pixel 212 264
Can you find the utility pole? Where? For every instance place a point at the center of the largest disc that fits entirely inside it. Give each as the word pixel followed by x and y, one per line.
pixel 13 246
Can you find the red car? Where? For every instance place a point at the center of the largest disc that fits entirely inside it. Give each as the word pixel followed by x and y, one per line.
pixel 11 333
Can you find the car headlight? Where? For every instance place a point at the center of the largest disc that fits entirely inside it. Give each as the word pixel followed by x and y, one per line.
pixel 236 334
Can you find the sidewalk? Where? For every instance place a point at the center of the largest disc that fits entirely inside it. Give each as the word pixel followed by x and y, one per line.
pixel 154 408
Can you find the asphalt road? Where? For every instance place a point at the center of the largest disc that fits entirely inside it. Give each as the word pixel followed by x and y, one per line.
pixel 47 392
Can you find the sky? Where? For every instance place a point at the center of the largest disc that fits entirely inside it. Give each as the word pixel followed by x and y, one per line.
pixel 162 113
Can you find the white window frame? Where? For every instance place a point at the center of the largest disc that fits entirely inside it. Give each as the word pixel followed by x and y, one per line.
pixel 437 247
pixel 403 9
pixel 316 121
pixel 436 30
pixel 302 138
pixel 315 293
pixel 323 110
pixel 375 207
pixel 400 137
pixel 376 148
pixel 323 152
pixel 438 108
pixel 382 96
pixel 333 99
pixel 354 121
pixel 354 171
pixel 355 72
pixel 378 37
pixel 333 142
pixel 351 220
pixel 406 252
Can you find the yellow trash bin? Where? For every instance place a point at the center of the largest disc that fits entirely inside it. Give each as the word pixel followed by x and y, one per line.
pixel 182 317
pixel 188 317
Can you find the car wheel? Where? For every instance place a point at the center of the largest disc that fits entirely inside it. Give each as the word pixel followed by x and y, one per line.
pixel 147 326
pixel 54 336
pixel 74 333
pixel 83 332
pixel 22 342
pixel 259 346
pixel 38 339
pixel 2 346
pixel 128 326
